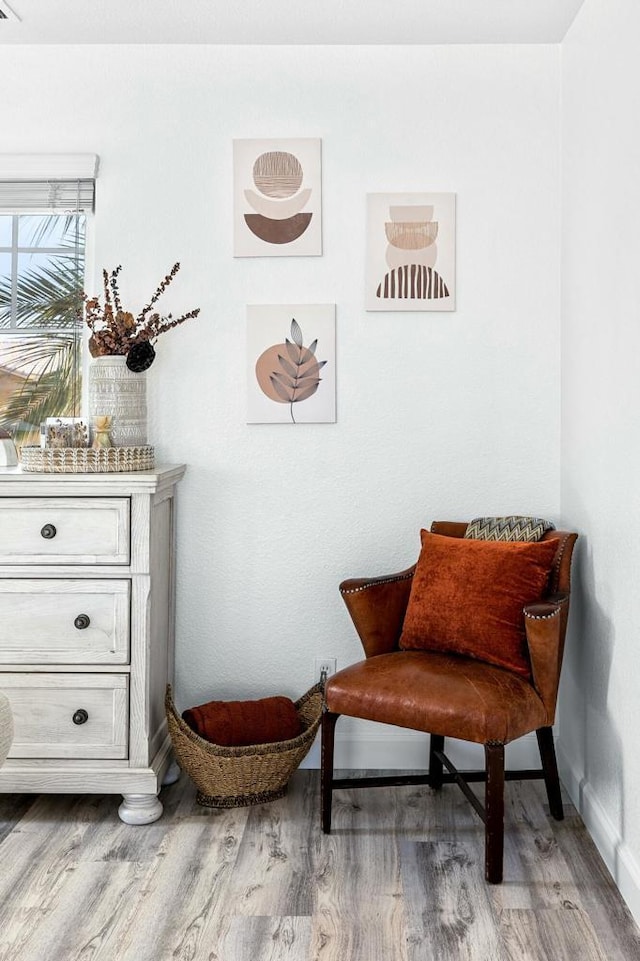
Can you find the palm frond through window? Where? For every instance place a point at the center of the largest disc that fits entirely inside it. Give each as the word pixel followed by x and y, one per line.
pixel 41 284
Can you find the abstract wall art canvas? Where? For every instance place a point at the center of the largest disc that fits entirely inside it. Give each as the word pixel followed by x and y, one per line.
pixel 410 252
pixel 277 198
pixel 291 364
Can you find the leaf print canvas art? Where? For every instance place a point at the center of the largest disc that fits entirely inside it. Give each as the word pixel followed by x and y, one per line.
pixel 277 198
pixel 410 252
pixel 291 364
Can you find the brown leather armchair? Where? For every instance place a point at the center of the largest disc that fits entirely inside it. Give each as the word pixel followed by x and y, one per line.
pixel 452 695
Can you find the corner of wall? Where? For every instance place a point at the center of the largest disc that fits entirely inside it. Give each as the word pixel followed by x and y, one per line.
pixel 616 854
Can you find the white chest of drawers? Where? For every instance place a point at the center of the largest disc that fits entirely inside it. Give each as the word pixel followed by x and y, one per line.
pixel 87 632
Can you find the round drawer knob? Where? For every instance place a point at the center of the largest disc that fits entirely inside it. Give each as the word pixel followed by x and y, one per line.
pixel 82 621
pixel 80 717
pixel 48 532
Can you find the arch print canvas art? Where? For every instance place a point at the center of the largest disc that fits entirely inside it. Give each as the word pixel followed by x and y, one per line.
pixel 410 252
pixel 277 198
pixel 291 364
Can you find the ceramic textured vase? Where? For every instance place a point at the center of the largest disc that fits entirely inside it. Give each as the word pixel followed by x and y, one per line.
pixel 6 727
pixel 116 392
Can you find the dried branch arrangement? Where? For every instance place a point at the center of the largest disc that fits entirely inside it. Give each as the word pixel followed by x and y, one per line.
pixel 117 331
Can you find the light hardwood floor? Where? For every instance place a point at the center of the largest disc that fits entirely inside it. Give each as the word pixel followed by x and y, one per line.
pixel 399 879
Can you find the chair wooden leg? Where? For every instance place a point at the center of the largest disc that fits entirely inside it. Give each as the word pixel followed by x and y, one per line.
pixel 436 743
pixel 326 767
pixel 494 812
pixel 550 769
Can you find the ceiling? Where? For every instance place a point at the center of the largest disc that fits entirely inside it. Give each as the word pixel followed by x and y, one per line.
pixel 287 21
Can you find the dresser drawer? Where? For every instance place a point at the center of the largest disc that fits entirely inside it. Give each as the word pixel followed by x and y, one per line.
pixel 44 707
pixel 64 530
pixel 64 621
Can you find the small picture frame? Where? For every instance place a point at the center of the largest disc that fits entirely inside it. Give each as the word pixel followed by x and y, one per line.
pixel 58 432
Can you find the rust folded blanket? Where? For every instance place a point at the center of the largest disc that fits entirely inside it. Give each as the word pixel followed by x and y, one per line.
pixel 240 723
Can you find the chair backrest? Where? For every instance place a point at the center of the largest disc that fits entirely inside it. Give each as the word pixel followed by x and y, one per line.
pixel 560 577
pixel 545 641
pixel 377 605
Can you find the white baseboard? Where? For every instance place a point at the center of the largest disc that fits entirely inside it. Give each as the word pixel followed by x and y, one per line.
pixel 619 859
pixel 364 745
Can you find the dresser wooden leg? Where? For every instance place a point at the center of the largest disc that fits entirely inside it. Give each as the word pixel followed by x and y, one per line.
pixel 140 808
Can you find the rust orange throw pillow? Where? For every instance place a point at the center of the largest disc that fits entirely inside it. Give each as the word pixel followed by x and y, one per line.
pixel 239 723
pixel 467 598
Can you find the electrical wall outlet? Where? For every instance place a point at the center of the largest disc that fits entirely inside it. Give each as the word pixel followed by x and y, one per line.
pixel 324 667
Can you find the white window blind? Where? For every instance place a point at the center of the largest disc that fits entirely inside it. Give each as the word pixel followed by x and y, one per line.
pixel 47 183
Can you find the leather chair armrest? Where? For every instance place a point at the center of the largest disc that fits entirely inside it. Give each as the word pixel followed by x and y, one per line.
pixel 545 625
pixel 377 607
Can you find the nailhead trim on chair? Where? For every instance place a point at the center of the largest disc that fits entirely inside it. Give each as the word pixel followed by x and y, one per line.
pixel 543 617
pixel 382 580
pixel 556 566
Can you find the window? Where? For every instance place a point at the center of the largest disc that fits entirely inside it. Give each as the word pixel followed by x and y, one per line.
pixel 44 203
pixel 41 284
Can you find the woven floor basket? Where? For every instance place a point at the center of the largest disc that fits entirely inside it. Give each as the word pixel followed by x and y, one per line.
pixel 228 777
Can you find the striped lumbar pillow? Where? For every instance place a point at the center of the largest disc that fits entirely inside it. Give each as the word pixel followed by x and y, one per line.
pixel 511 528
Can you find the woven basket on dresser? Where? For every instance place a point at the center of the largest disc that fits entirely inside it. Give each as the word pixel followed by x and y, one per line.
pixel 228 777
pixel 86 460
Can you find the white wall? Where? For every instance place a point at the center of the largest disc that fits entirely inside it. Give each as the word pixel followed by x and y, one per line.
pixel 600 719
pixel 440 415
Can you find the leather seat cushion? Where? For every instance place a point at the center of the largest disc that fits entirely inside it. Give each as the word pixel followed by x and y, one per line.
pixel 439 693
